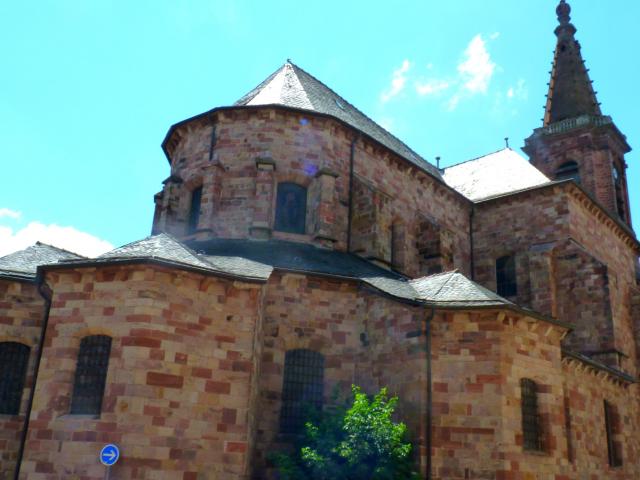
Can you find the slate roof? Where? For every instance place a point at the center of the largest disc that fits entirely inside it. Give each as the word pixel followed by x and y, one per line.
pixel 165 248
pixel 291 86
pixel 299 257
pixel 492 175
pixel 24 263
pixel 453 289
pixel 570 93
pixel 256 260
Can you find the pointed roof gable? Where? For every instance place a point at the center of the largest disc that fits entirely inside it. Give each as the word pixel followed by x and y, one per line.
pixel 24 263
pixel 571 94
pixel 454 289
pixel 291 86
pixel 495 174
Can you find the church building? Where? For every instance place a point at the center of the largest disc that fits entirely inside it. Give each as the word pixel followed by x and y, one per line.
pixel 297 247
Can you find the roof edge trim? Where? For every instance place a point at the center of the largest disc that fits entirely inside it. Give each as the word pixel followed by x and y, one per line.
pixel 310 113
pixel 115 261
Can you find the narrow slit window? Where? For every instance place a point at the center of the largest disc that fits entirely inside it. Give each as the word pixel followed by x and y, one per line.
pixel 531 432
pixel 302 388
pixel 568 170
pixel 195 209
pixel 506 276
pixel 611 426
pixel 14 358
pixel 91 375
pixel 620 194
pixel 291 208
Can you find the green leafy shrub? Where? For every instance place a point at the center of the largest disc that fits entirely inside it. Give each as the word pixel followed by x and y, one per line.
pixel 356 441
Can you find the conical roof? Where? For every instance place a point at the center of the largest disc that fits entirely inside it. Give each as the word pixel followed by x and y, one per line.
pixel 571 94
pixel 291 86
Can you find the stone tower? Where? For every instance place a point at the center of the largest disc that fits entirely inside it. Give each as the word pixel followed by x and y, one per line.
pixel 576 141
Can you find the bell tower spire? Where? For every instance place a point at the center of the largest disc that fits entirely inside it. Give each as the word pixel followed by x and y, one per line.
pixel 576 141
pixel 570 91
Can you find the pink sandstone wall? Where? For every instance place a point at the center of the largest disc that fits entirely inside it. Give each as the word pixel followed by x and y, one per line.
pixel 179 385
pixel 573 262
pixel 595 151
pixel 21 316
pixel 256 149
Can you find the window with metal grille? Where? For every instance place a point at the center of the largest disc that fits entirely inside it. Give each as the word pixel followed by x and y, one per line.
pixel 568 170
pixel 14 358
pixel 194 209
pixel 506 276
pixel 302 388
pixel 531 432
pixel 611 424
pixel 291 208
pixel 91 374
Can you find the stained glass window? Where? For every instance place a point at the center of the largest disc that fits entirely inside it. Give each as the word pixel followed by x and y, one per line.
pixel 291 208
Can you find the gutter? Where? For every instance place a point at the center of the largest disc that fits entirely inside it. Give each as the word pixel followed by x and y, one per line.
pixel 46 295
pixel 151 261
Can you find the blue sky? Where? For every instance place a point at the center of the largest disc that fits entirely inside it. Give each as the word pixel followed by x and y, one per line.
pixel 89 88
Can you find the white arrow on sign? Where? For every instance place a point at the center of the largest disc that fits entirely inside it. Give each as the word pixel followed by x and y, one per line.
pixel 109 454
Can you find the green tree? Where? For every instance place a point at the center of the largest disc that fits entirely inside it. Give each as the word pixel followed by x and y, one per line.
pixel 356 441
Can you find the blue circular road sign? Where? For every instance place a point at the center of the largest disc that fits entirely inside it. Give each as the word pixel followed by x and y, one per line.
pixel 109 454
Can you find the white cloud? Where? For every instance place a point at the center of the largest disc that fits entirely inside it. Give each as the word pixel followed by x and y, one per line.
pixel 518 92
pixel 7 212
pixel 431 87
pixel 68 238
pixel 398 82
pixel 476 69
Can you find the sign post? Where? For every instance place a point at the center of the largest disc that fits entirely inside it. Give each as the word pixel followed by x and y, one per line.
pixel 109 455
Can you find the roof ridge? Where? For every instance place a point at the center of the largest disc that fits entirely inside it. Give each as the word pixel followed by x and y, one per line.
pixel 247 97
pixel 481 157
pixel 435 295
pixel 38 242
pixel 360 112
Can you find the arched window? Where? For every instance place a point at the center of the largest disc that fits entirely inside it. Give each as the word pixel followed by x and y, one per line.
pixel 91 374
pixel 194 209
pixel 302 388
pixel 612 427
pixel 13 369
pixel 506 276
pixel 531 434
pixel 568 170
pixel 291 208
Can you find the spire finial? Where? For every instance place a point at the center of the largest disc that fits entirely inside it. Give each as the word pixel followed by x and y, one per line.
pixel 563 10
